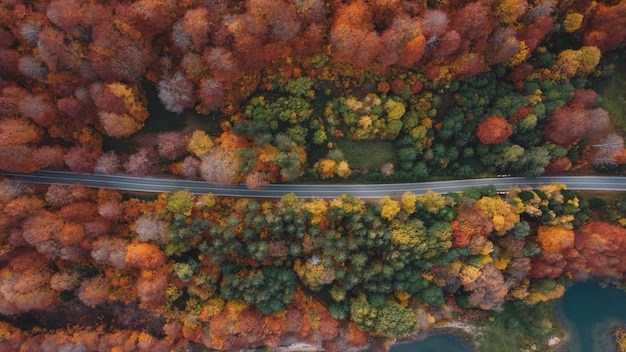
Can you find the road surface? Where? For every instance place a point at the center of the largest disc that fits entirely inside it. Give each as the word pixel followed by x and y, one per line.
pixel 369 191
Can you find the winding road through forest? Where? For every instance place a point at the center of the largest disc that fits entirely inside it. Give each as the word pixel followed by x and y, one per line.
pixel 369 191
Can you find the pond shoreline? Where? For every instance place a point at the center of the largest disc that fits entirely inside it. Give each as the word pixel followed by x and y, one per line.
pixel 601 331
pixel 444 332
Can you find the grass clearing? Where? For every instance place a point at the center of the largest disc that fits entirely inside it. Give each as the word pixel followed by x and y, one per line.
pixel 520 328
pixel 368 155
pixel 613 92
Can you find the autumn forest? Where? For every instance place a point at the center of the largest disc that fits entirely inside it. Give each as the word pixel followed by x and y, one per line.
pixel 308 91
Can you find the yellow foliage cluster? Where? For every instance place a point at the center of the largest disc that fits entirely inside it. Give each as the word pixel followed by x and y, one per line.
pixel 343 169
pixel 267 153
pixel 501 263
pixel 619 335
pixel 395 110
pixel 211 308
pixel 554 239
pixel 390 208
pixel 326 168
pixel 365 122
pixel 572 22
pixel 581 62
pixel 349 203
pixel 503 215
pixel 124 124
pixel 433 201
pixel 553 193
pixel 200 143
pixel 408 202
pixel 119 125
pixel 402 298
pixel 520 56
pixel 318 209
pixel 404 235
pixel 536 297
pixel 510 10
pixel 313 275
pixel 363 105
pixel 520 291
pixel 469 274
pixel 487 248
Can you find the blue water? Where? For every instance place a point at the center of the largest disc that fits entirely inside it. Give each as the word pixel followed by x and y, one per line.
pixel 591 312
pixel 434 343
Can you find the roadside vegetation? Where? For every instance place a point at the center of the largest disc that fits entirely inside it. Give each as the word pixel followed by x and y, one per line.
pixel 279 91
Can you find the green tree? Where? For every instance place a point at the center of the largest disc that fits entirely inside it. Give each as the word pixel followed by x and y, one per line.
pixel 362 313
pixel 393 320
pixel 179 202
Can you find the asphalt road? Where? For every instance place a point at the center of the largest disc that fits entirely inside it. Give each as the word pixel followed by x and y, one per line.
pixel 159 185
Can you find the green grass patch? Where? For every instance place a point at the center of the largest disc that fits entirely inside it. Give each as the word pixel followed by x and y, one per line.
pixel 613 92
pixel 521 328
pixel 367 154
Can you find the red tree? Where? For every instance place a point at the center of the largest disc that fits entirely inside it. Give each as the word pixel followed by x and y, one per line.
pixel 211 93
pixel 176 92
pixel 435 22
pixel 49 157
pixel 474 21
pixel 503 45
pixel 59 195
pixel 558 166
pixel 32 67
pixel 191 167
pixel 196 23
pixel 412 52
pixel 494 130
pixel 38 109
pixel 80 212
pixel 52 48
pixel 18 131
pixel 108 163
pixel 65 14
pixel 571 123
pixel 76 109
pixel 172 145
pixel 604 247
pixel 448 44
pixel 608 27
pixel 144 256
pixel 21 208
pixel 82 159
pixel 9 60
pixel 142 163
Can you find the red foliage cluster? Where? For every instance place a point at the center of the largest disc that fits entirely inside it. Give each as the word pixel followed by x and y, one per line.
pixel 577 120
pixel 494 130
pixel 469 223
pixel 603 246
pixel 521 113
pixel 608 27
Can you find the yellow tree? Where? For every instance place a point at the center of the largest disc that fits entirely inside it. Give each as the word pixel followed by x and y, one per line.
pixel 509 11
pixel 318 209
pixel 554 239
pixel 581 62
pixel 199 143
pixel 390 208
pixel 326 168
pixel 343 169
pixel 502 214
pixel 408 202
pixel 433 201
pixel 572 22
